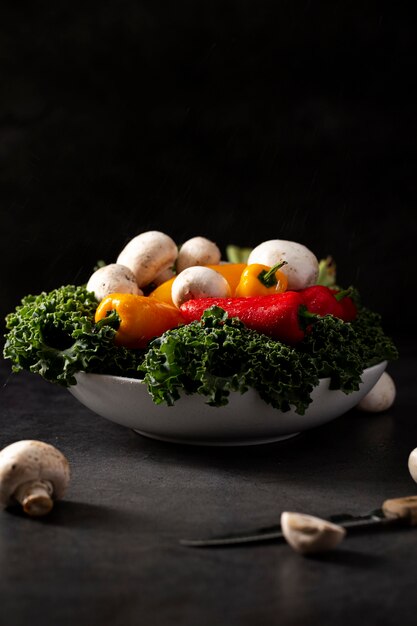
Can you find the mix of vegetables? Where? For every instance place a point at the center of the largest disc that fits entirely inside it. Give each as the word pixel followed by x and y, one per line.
pixel 185 321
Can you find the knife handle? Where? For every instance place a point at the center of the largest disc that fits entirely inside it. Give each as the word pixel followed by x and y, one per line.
pixel 401 508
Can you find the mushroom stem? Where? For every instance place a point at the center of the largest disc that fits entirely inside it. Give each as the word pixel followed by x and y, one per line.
pixel 35 497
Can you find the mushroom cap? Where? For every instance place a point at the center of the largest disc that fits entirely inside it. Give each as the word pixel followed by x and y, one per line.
pixel 197 251
pixel 148 254
pixel 381 397
pixel 412 464
pixel 198 281
pixel 113 278
pixel 32 460
pixel 302 268
pixel 163 276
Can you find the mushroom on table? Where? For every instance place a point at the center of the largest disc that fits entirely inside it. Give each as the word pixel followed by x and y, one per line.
pixel 381 397
pixel 34 474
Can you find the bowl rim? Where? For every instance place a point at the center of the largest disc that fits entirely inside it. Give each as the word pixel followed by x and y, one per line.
pixel 142 382
pixel 156 426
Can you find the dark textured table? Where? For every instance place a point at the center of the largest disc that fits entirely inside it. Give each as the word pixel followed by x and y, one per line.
pixel 109 553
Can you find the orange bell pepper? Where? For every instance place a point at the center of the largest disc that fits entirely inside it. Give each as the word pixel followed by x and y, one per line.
pixel 162 293
pixel 141 318
pixel 261 280
pixel 230 271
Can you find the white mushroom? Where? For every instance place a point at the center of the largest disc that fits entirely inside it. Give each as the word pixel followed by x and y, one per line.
pixel 198 282
pixel 148 254
pixel 412 464
pixel 197 251
pixel 34 474
pixel 113 278
pixel 302 268
pixel 308 534
pixel 164 276
pixel 381 397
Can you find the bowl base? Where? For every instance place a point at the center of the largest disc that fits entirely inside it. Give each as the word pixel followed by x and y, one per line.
pixel 217 442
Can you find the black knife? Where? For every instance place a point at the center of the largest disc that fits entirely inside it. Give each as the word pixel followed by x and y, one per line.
pixel 394 512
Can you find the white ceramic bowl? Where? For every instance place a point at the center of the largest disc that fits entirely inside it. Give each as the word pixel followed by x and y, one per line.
pixel 245 420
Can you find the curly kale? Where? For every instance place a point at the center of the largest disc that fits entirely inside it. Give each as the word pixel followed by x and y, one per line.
pixel 375 344
pixel 53 334
pixel 218 355
pixel 342 350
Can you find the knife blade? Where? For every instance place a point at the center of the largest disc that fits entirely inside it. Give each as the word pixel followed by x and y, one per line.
pixel 393 512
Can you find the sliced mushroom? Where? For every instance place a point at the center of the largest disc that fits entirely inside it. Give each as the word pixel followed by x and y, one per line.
pixel 197 251
pixel 307 534
pixel 34 474
pixel 113 278
pixel 148 255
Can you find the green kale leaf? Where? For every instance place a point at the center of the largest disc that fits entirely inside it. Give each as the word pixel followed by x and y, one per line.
pixel 217 355
pixel 54 335
pixel 342 350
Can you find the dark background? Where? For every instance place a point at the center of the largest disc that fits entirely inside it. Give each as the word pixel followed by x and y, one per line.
pixel 240 121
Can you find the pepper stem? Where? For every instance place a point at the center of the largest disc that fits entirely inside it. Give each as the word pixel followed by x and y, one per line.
pixel 343 294
pixel 267 277
pixel 306 317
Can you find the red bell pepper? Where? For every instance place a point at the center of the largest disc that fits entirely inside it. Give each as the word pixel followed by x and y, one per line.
pixel 277 315
pixel 350 310
pixel 323 300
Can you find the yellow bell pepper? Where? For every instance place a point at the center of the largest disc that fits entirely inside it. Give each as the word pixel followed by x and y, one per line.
pixel 261 280
pixel 230 271
pixel 141 318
